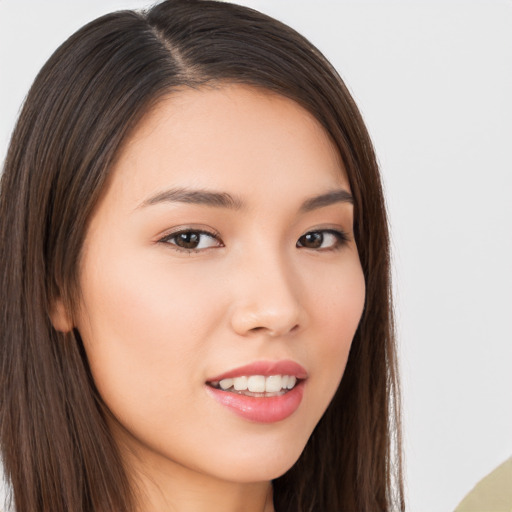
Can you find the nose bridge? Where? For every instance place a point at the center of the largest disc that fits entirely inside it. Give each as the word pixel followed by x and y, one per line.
pixel 267 296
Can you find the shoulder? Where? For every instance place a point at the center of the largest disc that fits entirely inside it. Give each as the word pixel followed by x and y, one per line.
pixel 493 492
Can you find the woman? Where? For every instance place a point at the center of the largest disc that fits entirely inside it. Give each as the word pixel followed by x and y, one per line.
pixel 196 309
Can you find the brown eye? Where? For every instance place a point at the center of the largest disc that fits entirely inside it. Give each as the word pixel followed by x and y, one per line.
pixel 190 240
pixel 313 240
pixel 324 240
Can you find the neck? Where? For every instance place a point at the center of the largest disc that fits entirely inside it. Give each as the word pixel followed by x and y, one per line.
pixel 162 485
pixel 182 490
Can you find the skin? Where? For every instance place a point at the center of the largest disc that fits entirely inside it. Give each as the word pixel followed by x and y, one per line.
pixel 158 321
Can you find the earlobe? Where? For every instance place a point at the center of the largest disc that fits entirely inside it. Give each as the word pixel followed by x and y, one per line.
pixel 60 317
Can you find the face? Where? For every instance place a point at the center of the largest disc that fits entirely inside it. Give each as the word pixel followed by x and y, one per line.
pixel 221 256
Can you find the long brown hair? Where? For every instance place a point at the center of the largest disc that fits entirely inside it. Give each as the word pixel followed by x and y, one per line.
pixel 58 453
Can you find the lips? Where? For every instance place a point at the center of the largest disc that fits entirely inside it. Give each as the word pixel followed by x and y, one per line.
pixel 264 391
pixel 265 368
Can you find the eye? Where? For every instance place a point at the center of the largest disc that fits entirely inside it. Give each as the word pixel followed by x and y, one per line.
pixel 192 240
pixel 324 239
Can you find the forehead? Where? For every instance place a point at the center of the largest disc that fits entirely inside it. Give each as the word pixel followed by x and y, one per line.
pixel 230 137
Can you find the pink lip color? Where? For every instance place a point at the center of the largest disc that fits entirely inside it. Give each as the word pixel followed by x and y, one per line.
pixel 262 409
pixel 264 368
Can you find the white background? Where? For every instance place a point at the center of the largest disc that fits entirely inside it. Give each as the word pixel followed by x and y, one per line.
pixel 434 83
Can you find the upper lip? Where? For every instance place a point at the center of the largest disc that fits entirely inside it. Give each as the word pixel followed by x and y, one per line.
pixel 265 368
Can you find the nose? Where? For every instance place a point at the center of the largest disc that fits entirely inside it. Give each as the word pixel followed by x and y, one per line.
pixel 266 298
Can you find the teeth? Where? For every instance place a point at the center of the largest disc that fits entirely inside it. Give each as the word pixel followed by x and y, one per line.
pixel 225 383
pixel 240 383
pixel 273 383
pixel 259 383
pixel 256 384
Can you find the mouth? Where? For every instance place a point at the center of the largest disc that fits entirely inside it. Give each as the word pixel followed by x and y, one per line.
pixel 262 392
pixel 260 386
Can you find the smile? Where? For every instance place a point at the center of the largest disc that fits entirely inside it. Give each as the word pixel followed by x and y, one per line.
pixel 262 392
pixel 257 385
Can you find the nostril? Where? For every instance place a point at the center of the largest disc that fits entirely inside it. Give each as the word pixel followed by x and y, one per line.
pixel 273 332
pixel 262 317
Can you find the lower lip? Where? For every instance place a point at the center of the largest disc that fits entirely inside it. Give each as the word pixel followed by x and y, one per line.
pixel 260 409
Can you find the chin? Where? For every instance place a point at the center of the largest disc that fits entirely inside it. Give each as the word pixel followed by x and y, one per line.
pixel 260 463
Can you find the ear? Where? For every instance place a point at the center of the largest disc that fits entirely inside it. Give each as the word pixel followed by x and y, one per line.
pixel 60 317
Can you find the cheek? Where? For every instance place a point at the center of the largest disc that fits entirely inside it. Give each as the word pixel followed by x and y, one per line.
pixel 142 330
pixel 338 307
pixel 338 300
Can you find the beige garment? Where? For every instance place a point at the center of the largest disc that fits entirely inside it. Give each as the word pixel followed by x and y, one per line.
pixel 492 494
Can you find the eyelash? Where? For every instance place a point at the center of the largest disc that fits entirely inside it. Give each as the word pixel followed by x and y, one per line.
pixel 341 239
pixel 172 236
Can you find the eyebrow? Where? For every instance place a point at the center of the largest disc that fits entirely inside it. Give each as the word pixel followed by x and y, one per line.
pixel 225 200
pixel 202 197
pixel 332 197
